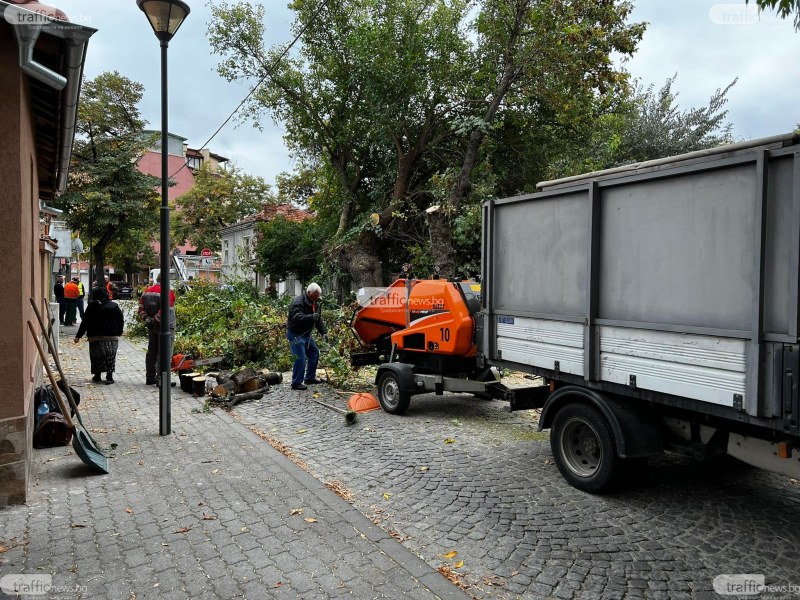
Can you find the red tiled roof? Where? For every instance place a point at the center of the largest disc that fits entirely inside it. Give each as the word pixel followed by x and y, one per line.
pixel 273 211
pixel 287 211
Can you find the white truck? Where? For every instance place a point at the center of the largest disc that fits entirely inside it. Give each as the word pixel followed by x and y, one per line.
pixel 660 302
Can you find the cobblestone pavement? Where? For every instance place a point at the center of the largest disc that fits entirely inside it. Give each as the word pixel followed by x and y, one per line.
pixel 461 474
pixel 211 511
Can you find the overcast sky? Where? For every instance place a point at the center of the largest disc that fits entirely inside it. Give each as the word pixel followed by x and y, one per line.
pixel 706 43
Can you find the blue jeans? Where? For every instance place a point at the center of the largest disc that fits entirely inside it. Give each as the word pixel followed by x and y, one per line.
pixel 303 347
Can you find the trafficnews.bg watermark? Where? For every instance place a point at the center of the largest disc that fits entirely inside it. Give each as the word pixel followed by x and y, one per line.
pixel 23 585
pixel 744 14
pixel 752 584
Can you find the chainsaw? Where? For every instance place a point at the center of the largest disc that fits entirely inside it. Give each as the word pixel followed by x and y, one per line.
pixel 185 362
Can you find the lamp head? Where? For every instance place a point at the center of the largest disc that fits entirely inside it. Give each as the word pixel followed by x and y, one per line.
pixel 165 16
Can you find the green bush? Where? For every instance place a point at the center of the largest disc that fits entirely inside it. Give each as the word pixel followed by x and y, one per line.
pixel 247 328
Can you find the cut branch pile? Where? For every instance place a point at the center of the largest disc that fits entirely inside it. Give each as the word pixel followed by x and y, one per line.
pixel 234 387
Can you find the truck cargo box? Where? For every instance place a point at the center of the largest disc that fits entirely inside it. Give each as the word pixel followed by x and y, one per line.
pixel 672 282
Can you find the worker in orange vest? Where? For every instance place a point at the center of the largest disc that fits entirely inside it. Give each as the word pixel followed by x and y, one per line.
pixel 71 293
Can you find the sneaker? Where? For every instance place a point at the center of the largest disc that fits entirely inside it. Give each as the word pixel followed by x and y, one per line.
pixel 314 381
pixel 150 381
pixel 299 386
pixel 96 377
pixel 110 380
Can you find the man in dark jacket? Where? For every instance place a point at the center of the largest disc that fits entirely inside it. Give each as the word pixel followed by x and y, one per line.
pixel 150 313
pixel 305 315
pixel 58 291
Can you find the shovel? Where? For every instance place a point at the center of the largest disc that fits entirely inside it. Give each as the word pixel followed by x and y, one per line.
pixel 81 440
pixel 51 346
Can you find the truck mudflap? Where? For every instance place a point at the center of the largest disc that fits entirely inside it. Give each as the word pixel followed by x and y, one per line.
pixel 526 398
pixel 637 432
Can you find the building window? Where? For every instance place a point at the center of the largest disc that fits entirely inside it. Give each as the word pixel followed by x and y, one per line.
pixel 246 246
pixel 194 162
pixel 225 252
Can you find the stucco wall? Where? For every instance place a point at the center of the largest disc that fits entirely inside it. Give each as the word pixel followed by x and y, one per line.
pixel 20 264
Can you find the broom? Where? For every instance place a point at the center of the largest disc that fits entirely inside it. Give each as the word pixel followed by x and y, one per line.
pixel 350 416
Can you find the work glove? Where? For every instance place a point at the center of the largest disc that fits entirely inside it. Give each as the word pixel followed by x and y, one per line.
pixel 315 317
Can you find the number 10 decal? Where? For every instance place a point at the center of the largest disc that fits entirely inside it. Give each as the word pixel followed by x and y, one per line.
pixel 445 334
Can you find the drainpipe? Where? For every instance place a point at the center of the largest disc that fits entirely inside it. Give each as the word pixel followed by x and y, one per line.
pixel 76 55
pixel 26 40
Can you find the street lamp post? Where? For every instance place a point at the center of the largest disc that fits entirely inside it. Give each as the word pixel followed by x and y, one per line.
pixel 165 17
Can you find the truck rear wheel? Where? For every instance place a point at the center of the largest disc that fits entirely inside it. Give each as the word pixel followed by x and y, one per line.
pixel 583 447
pixel 393 400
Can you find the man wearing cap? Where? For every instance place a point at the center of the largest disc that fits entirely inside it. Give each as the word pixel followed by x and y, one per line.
pixel 305 315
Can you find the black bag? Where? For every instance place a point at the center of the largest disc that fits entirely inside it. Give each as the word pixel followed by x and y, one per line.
pixel 76 395
pixel 52 431
pixel 46 393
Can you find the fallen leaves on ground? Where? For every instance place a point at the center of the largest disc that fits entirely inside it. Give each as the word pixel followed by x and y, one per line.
pixel 310 520
pixel 129 510
pixel 301 431
pixel 450 554
pixel 341 491
pixel 424 468
pixel 209 517
pixel 295 511
pixel 182 530
pixel 449 441
pixel 494 580
pixel 398 536
pixel 78 525
pixel 386 495
pixel 452 576
pixel 459 564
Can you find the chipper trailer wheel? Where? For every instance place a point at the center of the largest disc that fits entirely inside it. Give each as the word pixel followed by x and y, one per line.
pixel 393 400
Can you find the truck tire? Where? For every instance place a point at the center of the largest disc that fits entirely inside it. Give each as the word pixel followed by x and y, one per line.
pixel 583 448
pixel 393 400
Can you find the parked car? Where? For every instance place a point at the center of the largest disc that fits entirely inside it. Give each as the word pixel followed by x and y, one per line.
pixel 122 290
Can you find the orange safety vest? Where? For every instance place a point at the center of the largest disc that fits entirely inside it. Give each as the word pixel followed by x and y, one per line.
pixel 71 291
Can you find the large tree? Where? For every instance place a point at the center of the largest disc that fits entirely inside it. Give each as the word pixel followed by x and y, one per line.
pixel 397 98
pixel 217 199
pixel 107 195
pixel 534 58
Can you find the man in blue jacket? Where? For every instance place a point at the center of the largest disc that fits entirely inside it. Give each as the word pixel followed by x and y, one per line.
pixel 305 315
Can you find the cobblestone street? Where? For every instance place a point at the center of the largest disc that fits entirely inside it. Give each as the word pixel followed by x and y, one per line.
pixel 462 474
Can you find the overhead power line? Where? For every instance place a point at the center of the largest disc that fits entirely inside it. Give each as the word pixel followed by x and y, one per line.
pixel 252 91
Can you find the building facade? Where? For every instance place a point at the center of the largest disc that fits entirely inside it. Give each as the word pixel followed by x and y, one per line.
pixel 237 249
pixel 41 64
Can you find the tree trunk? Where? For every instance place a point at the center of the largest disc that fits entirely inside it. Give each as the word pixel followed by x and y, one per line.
pixel 439 223
pixel 361 259
pixel 442 249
